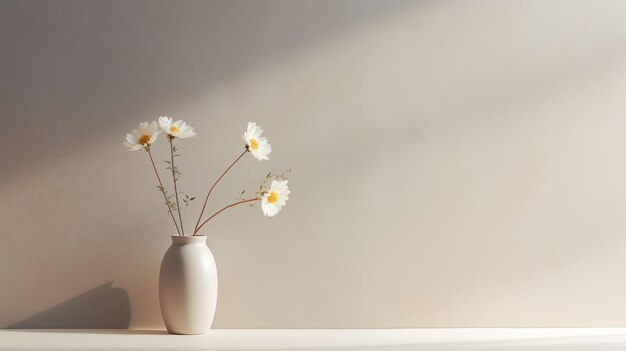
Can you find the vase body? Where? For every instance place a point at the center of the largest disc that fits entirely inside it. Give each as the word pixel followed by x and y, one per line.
pixel 188 286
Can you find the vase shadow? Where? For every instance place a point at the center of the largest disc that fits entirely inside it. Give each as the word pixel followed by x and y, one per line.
pixel 103 307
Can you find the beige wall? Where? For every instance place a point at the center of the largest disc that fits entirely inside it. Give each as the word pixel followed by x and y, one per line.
pixel 455 163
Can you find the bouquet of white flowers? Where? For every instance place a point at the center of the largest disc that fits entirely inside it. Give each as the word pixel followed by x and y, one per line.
pixel 273 192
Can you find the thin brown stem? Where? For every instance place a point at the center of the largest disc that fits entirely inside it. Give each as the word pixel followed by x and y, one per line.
pixel 162 189
pixel 173 168
pixel 226 207
pixel 210 190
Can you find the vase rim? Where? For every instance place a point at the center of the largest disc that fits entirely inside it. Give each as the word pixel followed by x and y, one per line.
pixel 188 239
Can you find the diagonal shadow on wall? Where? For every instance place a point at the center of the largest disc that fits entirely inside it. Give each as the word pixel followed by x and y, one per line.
pixel 74 71
pixel 103 307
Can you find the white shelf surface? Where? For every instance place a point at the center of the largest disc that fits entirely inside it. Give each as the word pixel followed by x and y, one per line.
pixel 571 339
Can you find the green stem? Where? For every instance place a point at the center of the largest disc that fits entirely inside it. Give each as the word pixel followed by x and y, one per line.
pixel 173 168
pixel 162 189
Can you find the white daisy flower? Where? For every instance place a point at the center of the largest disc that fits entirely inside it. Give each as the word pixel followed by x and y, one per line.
pixel 143 137
pixel 275 198
pixel 255 143
pixel 178 129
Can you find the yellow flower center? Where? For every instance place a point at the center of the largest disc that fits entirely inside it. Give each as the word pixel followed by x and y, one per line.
pixel 174 129
pixel 273 197
pixel 254 144
pixel 144 139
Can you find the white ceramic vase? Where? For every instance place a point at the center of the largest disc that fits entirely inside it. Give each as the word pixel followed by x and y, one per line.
pixel 188 286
